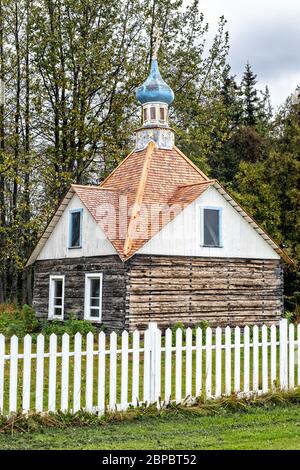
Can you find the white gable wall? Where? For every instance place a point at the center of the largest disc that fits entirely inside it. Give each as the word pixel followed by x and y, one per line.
pixel 182 236
pixel 94 241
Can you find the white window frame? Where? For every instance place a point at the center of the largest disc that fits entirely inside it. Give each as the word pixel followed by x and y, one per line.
pixel 220 214
pixel 87 297
pixel 51 307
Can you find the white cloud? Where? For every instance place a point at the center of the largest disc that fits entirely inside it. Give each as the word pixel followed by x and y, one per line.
pixel 267 34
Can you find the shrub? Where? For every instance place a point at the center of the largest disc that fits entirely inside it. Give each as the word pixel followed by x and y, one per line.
pixel 70 326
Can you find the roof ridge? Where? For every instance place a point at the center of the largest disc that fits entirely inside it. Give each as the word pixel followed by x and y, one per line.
pixel 139 197
pixel 195 184
pixel 191 163
pixel 92 186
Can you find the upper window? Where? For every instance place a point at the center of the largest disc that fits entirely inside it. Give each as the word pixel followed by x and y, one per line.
pixel 75 238
pixel 152 113
pixel 212 227
pixel 145 111
pixel 56 297
pixel 161 114
pixel 93 297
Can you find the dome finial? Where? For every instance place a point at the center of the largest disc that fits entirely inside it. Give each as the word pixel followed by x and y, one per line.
pixel 156 42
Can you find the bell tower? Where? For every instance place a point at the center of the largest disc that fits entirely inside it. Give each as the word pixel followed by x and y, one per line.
pixel 155 96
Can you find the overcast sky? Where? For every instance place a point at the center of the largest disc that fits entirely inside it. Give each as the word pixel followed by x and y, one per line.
pixel 267 34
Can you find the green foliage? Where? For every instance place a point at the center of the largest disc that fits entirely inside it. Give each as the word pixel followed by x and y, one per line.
pixel 70 326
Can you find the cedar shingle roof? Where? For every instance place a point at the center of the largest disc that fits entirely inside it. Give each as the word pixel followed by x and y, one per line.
pixel 145 192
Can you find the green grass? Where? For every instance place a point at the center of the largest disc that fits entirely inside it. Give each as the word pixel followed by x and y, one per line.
pixel 259 428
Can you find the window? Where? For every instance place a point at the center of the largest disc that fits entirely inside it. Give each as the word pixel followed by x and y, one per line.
pixel 75 230
pixel 56 297
pixel 152 113
pixel 93 297
pixel 161 114
pixel 145 111
pixel 212 227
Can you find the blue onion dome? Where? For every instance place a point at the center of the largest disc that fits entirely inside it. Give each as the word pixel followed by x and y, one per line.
pixel 154 88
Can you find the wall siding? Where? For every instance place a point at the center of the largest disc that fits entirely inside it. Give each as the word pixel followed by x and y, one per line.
pixel 113 288
pixel 183 235
pixel 222 291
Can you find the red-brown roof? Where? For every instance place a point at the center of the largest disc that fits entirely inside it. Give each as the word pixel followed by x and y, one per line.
pixel 145 192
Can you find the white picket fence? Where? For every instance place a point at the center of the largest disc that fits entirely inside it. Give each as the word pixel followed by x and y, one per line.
pixel 149 368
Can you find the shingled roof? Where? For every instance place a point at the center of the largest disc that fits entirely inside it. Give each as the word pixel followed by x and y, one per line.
pixel 156 181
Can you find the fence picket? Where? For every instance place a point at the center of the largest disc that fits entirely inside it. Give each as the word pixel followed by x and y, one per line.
pixel 101 372
pixel 246 359
pixel 65 350
pixel 227 360
pixel 26 374
pixel 168 365
pixel 273 356
pixel 178 366
pixel 198 362
pixel 157 365
pixel 89 374
pixel 135 367
pixel 124 371
pixel 237 360
pixel 265 362
pixel 208 367
pixel 188 363
pixel 2 352
pixel 291 356
pixel 52 372
pixel 77 372
pixel 255 358
pixel 283 354
pixel 13 374
pixel 113 372
pixel 146 384
pixel 39 380
pixel 218 391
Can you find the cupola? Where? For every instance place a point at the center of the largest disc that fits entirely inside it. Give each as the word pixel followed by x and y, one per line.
pixel 155 96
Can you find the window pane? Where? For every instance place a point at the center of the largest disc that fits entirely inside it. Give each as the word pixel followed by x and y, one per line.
pixel 95 288
pixel 57 311
pixel 211 227
pixel 95 302
pixel 152 113
pixel 94 312
pixel 57 300
pixel 162 114
pixel 75 228
pixel 145 114
pixel 58 288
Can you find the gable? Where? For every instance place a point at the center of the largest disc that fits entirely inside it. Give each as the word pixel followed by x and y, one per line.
pixel 183 235
pixel 94 240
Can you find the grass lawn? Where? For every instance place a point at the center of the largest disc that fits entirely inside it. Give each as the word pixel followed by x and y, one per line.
pixel 271 428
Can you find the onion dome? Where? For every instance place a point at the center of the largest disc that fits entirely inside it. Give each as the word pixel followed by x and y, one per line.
pixel 154 89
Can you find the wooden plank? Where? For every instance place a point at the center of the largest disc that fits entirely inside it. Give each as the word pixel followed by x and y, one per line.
pixel 188 363
pixel 39 383
pixel 13 374
pixel 237 359
pixel 291 356
pixel 227 360
pixel 113 372
pixel 168 365
pixel 65 356
pixel 273 357
pixel 246 359
pixel 77 372
pixel 198 390
pixel 124 371
pixel 255 358
pixel 135 367
pixel 89 372
pixel 178 366
pixel 52 372
pixel 101 372
pixel 26 374
pixel 265 362
pixel 208 363
pixel 218 375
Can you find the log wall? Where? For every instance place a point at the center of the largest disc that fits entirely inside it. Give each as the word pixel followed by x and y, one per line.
pixel 227 291
pixel 113 288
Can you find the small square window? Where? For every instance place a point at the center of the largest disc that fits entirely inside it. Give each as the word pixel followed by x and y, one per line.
pixel 161 114
pixel 75 230
pixel 212 227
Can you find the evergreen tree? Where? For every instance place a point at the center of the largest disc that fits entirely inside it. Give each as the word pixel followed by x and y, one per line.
pixel 250 97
